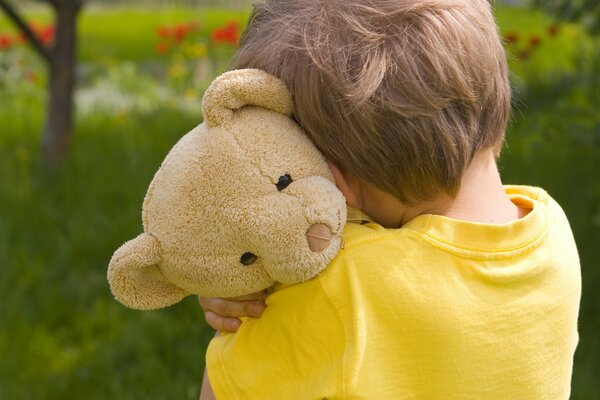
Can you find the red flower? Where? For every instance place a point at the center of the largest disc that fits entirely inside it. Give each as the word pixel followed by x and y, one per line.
pixel 6 42
pixel 46 34
pixel 511 38
pixel 229 34
pixel 161 48
pixel 31 77
pixel 553 30
pixel 180 32
pixel 523 55
pixel 535 41
pixel 172 35
pixel 163 31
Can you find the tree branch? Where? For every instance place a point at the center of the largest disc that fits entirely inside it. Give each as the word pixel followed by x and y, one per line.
pixel 29 34
pixel 78 4
pixel 53 3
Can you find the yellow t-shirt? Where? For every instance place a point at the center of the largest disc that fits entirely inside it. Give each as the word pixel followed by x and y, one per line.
pixel 439 309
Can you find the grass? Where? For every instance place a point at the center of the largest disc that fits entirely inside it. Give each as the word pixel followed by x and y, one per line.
pixel 125 33
pixel 554 142
pixel 553 56
pixel 65 332
pixel 63 336
pixel 137 29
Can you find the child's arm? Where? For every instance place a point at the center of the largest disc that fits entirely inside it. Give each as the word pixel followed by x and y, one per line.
pixel 206 393
pixel 297 344
pixel 222 314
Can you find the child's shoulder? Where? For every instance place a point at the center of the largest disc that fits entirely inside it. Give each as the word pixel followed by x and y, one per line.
pixel 365 238
pixel 358 234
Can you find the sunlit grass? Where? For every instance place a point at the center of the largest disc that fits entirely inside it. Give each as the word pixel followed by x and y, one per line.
pixel 130 33
pixel 555 54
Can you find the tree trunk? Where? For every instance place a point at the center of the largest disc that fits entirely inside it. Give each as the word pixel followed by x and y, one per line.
pixel 61 80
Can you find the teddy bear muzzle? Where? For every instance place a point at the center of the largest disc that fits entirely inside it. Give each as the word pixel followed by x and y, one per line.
pixel 319 237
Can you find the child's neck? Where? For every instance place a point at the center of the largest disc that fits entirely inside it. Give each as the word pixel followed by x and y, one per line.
pixel 481 198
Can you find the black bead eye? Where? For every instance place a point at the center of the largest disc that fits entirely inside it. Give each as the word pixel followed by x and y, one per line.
pixel 283 182
pixel 248 258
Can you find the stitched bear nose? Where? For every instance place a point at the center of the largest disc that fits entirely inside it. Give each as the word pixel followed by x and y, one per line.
pixel 319 237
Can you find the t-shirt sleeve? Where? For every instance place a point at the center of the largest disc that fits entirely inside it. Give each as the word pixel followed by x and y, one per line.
pixel 295 350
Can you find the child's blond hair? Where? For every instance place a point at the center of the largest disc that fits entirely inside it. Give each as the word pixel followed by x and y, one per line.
pixel 399 93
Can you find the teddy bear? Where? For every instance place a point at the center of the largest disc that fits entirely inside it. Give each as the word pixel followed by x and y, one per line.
pixel 242 202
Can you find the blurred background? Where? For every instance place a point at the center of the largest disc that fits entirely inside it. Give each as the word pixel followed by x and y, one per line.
pixel 72 184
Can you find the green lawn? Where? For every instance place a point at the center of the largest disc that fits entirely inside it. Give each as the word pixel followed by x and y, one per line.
pixel 554 142
pixel 125 33
pixel 554 54
pixel 62 335
pixel 135 29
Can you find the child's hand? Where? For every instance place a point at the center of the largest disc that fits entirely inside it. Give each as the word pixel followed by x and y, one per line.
pixel 221 314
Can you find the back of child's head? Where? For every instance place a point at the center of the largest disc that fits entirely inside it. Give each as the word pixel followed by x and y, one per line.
pixel 398 93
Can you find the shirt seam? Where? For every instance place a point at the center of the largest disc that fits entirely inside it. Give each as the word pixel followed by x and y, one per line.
pixel 474 254
pixel 350 244
pixel 341 387
pixel 471 253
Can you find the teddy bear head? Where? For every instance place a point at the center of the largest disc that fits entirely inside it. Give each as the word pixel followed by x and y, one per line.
pixel 241 202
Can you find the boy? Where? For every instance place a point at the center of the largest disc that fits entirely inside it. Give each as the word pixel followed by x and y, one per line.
pixel 463 288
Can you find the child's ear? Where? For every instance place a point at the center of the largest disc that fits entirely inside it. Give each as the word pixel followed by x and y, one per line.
pixel 135 279
pixel 348 185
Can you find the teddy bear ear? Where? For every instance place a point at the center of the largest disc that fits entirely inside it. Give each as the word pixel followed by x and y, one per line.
pixel 238 88
pixel 135 279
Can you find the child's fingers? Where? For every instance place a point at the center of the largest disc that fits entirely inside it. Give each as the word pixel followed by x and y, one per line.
pixel 221 314
pixel 262 295
pixel 219 323
pixel 232 308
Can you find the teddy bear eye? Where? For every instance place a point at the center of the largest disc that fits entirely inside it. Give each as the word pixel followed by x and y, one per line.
pixel 248 258
pixel 284 181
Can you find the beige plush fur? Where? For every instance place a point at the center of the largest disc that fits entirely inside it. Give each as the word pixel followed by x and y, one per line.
pixel 215 200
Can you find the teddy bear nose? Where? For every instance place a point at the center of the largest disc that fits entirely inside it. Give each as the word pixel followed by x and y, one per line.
pixel 319 237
